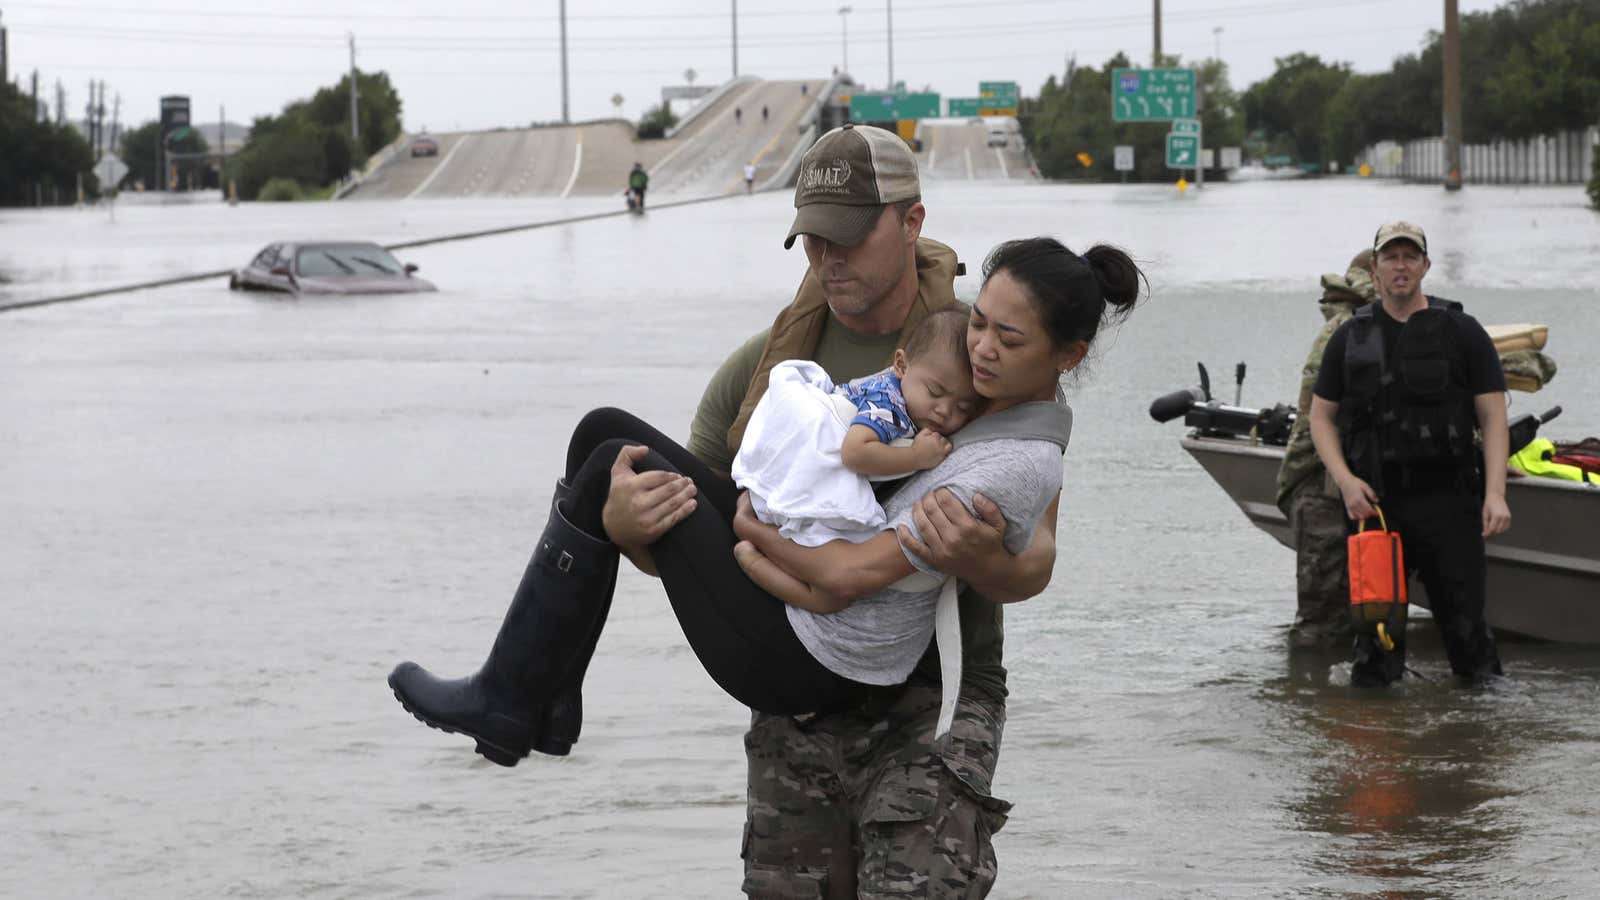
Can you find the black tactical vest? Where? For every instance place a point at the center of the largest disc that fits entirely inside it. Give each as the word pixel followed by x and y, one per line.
pixel 1417 412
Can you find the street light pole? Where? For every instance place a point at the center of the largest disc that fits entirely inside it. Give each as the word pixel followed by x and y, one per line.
pixel 736 38
pixel 566 118
pixel 1216 33
pixel 844 34
pixel 889 9
pixel 1155 55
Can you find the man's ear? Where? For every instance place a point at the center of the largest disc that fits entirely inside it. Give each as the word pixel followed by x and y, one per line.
pixel 913 222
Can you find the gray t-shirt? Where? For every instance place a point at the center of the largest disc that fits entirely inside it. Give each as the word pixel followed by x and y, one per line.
pixel 879 638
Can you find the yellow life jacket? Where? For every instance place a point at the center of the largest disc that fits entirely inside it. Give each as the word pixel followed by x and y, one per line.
pixel 1534 459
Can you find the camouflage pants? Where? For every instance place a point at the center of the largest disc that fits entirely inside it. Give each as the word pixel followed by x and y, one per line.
pixel 1322 574
pixel 864 803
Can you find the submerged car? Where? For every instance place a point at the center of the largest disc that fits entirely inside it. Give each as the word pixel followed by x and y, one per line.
pixel 332 267
pixel 424 145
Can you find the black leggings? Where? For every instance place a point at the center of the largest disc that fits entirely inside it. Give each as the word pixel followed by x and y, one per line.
pixel 740 632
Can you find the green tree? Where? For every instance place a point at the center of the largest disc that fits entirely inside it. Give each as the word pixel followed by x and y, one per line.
pixel 1070 123
pixel 1293 103
pixel 378 105
pixel 309 142
pixel 1594 184
pixel 139 152
pixel 656 122
pixel 38 155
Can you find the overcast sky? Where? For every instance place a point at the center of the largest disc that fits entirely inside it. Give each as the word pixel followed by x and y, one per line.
pixel 467 64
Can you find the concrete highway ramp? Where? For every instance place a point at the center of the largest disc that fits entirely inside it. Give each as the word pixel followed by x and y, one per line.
pixel 750 122
pixel 960 150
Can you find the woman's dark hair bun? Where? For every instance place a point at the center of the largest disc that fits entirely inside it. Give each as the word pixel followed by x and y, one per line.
pixel 1119 278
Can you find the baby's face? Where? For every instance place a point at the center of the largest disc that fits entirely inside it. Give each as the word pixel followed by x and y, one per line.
pixel 938 390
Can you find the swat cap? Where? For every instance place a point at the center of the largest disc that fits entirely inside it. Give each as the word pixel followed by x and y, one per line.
pixel 846 179
pixel 1400 231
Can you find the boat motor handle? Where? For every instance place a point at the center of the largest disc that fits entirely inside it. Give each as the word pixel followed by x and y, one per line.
pixel 1175 405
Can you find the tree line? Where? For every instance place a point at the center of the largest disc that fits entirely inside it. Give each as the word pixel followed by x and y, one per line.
pixel 39 160
pixel 1529 68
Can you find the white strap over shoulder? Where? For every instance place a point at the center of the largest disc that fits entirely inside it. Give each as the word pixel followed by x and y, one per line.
pixel 947 634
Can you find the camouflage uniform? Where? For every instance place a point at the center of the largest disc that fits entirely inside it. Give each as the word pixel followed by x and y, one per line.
pixel 1308 497
pixel 873 777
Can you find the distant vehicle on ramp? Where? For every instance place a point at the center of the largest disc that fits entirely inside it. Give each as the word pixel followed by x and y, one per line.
pixel 328 267
pixel 424 145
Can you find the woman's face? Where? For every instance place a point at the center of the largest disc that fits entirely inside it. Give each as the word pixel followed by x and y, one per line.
pixel 1014 359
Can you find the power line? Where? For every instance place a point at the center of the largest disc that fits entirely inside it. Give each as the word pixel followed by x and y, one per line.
pixel 483 43
pixel 363 16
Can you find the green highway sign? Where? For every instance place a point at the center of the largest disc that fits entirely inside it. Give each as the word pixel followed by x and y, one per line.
pixel 1152 95
pixel 883 107
pixel 965 106
pixel 997 89
pixel 1183 151
pixel 1186 126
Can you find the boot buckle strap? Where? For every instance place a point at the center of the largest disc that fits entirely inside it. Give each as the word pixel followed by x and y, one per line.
pixel 564 561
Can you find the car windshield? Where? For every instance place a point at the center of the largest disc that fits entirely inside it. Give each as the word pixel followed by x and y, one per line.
pixel 337 260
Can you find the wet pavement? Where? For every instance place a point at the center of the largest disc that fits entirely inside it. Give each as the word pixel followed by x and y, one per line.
pixel 227 516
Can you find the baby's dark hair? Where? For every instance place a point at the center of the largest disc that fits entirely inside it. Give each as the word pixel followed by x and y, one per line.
pixel 944 331
pixel 1070 292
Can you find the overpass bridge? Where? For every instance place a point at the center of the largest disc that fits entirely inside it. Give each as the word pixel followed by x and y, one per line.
pixel 705 156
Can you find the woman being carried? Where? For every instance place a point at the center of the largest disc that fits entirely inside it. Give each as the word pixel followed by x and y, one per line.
pixel 849 628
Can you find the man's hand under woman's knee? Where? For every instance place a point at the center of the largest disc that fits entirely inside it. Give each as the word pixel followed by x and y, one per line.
pixel 643 506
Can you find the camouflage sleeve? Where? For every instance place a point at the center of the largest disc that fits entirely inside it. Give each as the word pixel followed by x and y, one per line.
pixel 719 405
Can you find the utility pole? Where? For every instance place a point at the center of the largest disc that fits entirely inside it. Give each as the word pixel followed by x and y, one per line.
pixel 34 94
pixel 88 121
pixel 5 62
pixel 222 128
pixel 1452 96
pixel 844 33
pixel 355 117
pixel 1155 55
pixel 116 120
pixel 101 146
pixel 566 117
pixel 61 104
pixel 736 38
pixel 888 8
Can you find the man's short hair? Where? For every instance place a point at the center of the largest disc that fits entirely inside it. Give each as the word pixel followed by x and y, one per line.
pixel 846 179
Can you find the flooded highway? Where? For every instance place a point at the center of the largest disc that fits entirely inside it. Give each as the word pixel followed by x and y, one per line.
pixel 227 516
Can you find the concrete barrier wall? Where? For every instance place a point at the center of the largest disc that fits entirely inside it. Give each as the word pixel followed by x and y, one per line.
pixel 1563 158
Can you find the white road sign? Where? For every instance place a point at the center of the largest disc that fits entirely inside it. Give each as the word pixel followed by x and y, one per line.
pixel 1124 158
pixel 1231 158
pixel 110 170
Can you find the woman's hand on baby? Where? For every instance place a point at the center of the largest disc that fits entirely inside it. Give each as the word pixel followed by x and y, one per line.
pixel 955 541
pixel 929 448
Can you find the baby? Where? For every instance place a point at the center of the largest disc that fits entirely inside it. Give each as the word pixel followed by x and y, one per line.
pixel 812 449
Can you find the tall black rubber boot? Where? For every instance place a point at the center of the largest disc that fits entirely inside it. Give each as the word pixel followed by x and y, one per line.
pixel 544 640
pixel 563 717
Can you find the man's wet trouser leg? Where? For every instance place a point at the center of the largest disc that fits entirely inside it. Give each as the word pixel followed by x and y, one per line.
pixel 1322 572
pixel 1450 563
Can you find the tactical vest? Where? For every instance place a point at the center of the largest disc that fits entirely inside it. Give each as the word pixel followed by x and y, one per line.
pixel 1419 412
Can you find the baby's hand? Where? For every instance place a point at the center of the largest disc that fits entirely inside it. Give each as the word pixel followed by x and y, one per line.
pixel 929 448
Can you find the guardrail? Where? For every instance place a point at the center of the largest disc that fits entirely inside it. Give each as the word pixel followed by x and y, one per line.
pixel 373 164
